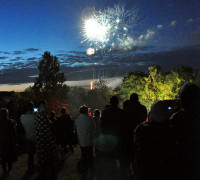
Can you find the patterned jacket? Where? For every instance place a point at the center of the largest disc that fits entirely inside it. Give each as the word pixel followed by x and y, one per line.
pixel 46 146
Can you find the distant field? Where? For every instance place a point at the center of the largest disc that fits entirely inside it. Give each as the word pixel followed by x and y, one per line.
pixel 68 170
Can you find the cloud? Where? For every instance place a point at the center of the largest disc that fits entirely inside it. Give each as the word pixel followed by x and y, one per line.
pixel 5 52
pixel 115 52
pixel 78 52
pixel 62 55
pixel 159 26
pixel 189 20
pixel 128 43
pixel 61 51
pixel 16 59
pixel 149 34
pixel 3 57
pixel 32 59
pixel 31 49
pixel 111 65
pixel 173 23
pixel 19 52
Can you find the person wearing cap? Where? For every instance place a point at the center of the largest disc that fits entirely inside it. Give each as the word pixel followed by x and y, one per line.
pixel 155 145
pixel 187 125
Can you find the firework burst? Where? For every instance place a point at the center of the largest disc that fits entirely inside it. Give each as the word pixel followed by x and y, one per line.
pixel 111 28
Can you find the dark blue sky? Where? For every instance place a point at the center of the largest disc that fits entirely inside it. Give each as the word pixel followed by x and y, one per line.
pixel 30 27
pixel 56 24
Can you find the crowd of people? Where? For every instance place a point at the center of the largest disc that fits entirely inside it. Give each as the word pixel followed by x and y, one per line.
pixel 115 143
pixel 45 136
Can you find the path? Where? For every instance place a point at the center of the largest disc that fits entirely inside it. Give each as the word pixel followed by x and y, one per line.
pixel 68 170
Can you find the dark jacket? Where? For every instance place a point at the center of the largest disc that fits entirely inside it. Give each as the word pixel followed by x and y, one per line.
pixel 135 114
pixel 8 141
pixel 155 151
pixel 111 121
pixel 64 129
pixel 187 125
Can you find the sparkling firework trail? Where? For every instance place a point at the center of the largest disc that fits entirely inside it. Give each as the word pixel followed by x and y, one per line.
pixel 111 28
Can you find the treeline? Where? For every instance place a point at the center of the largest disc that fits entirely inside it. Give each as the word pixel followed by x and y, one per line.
pixel 157 84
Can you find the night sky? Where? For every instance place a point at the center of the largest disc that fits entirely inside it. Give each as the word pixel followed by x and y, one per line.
pixel 168 30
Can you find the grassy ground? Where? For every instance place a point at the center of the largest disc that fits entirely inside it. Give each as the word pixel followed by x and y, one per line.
pixel 68 170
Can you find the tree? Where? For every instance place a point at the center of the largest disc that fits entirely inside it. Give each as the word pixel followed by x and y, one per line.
pixel 133 83
pixel 157 85
pixel 152 84
pixel 99 96
pixel 76 98
pixel 49 85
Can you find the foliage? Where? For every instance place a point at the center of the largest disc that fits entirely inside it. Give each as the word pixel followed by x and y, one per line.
pixel 96 98
pixel 127 88
pixel 100 95
pixel 157 85
pixel 49 85
pixel 76 98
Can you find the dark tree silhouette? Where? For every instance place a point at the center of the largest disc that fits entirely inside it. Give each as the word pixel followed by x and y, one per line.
pixel 49 85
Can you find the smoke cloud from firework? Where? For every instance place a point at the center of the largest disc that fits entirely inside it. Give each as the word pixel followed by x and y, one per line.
pixel 111 28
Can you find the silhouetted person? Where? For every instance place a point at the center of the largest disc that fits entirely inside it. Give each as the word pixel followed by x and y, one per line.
pixel 135 113
pixel 28 122
pixel 64 130
pixel 155 146
pixel 138 110
pixel 85 132
pixel 7 141
pixel 108 145
pixel 97 122
pixel 52 117
pixel 126 103
pixel 111 119
pixel 187 124
pixel 127 142
pixel 46 147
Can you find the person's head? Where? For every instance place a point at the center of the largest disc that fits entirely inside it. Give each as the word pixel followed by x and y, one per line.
pixel 159 112
pixel 42 106
pixel 63 110
pixel 114 101
pixel 134 97
pixel 30 107
pixel 3 114
pixel 189 95
pixel 84 109
pixel 97 113
pixel 126 103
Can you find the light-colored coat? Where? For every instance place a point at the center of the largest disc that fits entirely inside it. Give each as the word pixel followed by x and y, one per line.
pixel 28 122
pixel 85 130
